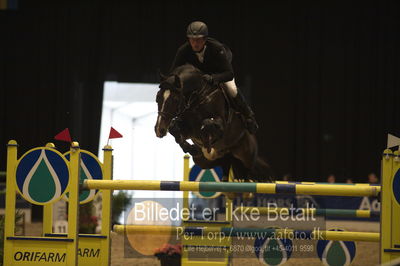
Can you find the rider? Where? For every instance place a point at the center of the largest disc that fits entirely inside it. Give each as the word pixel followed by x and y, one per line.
pixel 214 59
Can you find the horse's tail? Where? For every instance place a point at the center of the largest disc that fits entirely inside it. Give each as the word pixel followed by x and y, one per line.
pixel 262 172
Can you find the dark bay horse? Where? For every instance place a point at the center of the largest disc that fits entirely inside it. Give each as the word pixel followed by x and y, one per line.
pixel 190 108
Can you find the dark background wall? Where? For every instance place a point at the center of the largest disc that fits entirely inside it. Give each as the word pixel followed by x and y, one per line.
pixel 323 78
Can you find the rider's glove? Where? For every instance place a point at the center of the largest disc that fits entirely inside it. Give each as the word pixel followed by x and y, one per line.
pixel 208 78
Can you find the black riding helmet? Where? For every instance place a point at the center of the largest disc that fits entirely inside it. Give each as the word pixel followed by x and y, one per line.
pixel 197 29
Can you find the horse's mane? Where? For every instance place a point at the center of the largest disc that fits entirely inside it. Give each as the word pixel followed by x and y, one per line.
pixel 190 76
pixel 186 69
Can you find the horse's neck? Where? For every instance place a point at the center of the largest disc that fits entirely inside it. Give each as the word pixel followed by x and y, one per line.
pixel 206 90
pixel 201 97
pixel 209 104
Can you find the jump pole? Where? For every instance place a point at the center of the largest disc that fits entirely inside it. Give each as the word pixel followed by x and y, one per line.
pixel 390 213
pixel 250 232
pixel 347 213
pixel 265 188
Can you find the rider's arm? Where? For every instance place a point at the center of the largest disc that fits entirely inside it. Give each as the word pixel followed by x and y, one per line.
pixel 225 70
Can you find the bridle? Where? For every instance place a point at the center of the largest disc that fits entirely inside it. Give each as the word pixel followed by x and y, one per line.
pixel 199 98
pixel 169 115
pixel 196 99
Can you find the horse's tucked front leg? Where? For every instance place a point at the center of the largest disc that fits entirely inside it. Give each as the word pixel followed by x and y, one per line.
pixel 176 130
pixel 190 148
pixel 175 127
pixel 211 131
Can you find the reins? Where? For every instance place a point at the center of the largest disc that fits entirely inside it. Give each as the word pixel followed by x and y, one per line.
pixel 199 98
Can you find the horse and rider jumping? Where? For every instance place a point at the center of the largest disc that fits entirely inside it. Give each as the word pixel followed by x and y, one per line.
pixel 199 100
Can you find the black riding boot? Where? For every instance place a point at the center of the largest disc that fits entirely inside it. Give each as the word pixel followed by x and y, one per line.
pixel 242 107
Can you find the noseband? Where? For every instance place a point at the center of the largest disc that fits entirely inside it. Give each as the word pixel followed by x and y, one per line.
pixel 166 115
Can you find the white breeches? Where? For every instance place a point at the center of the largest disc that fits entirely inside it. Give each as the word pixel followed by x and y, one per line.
pixel 230 88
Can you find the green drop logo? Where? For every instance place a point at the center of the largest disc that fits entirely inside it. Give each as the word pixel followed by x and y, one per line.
pixel 42 184
pixel 197 174
pixel 336 254
pixel 273 252
pixel 208 176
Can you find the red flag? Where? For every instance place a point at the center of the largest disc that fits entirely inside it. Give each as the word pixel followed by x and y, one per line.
pixel 63 136
pixel 114 134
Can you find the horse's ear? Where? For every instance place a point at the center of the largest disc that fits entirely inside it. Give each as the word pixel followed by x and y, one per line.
pixel 163 85
pixel 162 76
pixel 177 81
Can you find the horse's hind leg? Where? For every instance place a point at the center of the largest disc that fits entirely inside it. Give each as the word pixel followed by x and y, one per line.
pixel 241 174
pixel 226 164
pixel 261 171
pixel 246 151
pixel 239 170
pixel 257 168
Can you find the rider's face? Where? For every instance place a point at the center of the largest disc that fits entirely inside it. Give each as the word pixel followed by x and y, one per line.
pixel 197 43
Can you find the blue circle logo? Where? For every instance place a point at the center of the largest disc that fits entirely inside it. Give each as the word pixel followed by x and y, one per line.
pixel 396 186
pixel 42 176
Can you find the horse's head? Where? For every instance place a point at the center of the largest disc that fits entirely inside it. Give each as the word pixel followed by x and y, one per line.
pixel 175 90
pixel 169 100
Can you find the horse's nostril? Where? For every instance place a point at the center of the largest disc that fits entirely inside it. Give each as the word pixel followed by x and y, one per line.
pixel 160 132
